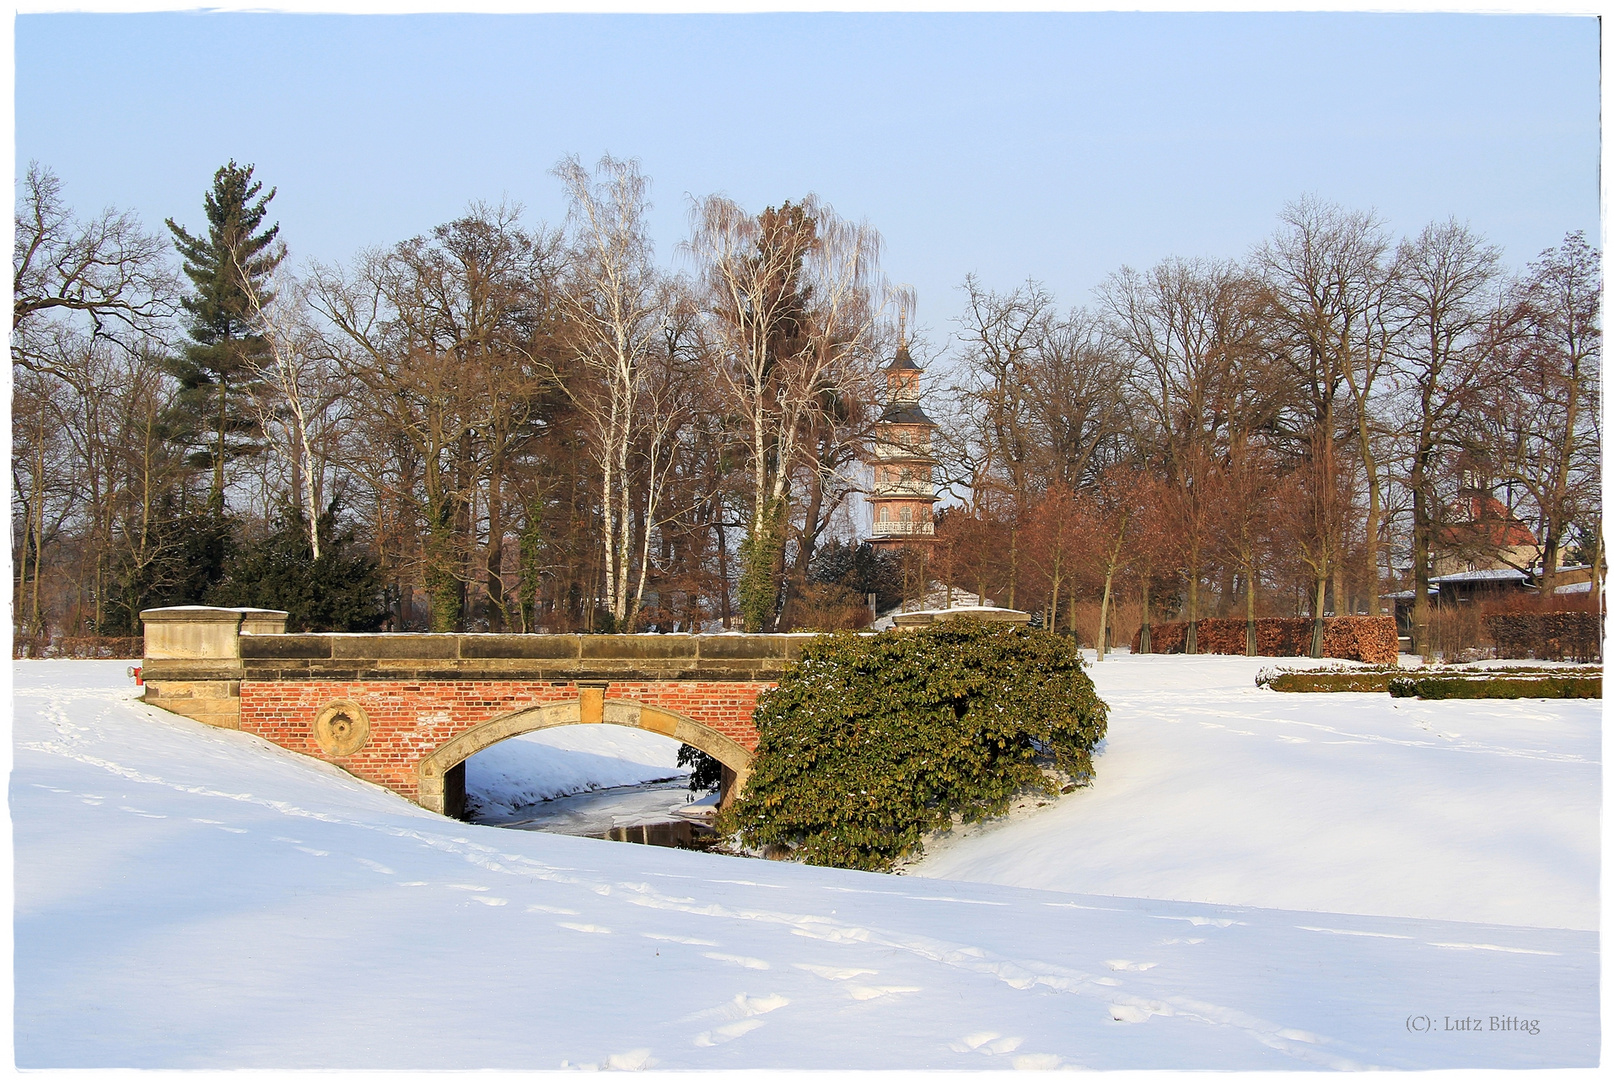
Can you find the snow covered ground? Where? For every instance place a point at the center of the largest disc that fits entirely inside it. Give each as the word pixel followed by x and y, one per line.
pixel 1211 789
pixel 193 898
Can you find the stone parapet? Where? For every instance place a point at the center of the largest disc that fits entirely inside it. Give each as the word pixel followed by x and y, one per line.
pixel 562 657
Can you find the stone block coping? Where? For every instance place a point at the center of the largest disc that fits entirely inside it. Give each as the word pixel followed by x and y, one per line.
pixel 202 643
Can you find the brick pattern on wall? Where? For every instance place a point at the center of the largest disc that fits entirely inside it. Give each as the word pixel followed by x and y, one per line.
pixel 411 720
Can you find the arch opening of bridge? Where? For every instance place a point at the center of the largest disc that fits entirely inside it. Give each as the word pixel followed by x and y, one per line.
pixel 442 772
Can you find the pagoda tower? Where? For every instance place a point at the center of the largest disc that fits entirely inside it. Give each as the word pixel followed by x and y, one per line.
pixel 904 483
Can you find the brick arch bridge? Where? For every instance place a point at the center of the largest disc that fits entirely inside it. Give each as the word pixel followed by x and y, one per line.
pixel 406 710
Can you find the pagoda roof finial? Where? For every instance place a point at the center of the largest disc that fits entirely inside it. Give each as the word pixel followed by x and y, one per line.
pixel 902 361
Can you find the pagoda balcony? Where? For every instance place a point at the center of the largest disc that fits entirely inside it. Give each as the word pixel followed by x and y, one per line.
pixel 892 448
pixel 904 528
pixel 904 489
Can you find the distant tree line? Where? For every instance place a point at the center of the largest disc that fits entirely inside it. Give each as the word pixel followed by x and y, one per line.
pixel 508 426
pixel 1297 432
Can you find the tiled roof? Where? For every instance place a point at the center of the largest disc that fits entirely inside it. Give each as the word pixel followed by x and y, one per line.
pixel 906 412
pixel 1505 574
pixel 1489 522
pixel 902 361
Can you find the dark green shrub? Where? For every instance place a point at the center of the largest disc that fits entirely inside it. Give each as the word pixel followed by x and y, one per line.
pixel 870 741
pixel 341 590
pixel 705 771
pixel 861 568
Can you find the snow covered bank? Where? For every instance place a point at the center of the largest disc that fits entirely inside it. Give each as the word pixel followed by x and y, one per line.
pixel 1211 789
pixel 188 897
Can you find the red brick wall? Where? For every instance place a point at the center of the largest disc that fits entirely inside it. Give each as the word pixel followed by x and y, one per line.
pixel 410 720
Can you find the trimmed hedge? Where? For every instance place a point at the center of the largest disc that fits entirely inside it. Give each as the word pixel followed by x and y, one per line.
pixel 1371 680
pixel 870 741
pixel 1371 639
pixel 1440 683
pixel 1546 635
pixel 1446 687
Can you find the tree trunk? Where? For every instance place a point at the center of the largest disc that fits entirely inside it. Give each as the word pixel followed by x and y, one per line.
pixel 1014 561
pixel 442 585
pixel 1548 585
pixel 1370 544
pixel 1421 530
pixel 1317 616
pixel 1597 582
pixel 1104 614
pixel 494 553
pixel 1250 644
pixel 723 573
pixel 215 494
pixel 1143 632
pixel 1191 639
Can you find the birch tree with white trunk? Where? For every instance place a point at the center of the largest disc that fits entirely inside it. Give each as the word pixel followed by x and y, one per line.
pixel 616 308
pixel 298 391
pixel 795 294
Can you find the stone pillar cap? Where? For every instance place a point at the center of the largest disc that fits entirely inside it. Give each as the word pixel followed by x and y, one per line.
pixel 982 614
pixel 203 613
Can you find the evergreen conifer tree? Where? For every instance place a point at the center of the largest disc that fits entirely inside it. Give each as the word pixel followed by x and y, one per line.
pixel 340 590
pixel 228 266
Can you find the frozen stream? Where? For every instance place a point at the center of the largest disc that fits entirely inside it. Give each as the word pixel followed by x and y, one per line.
pixel 599 813
pixel 587 781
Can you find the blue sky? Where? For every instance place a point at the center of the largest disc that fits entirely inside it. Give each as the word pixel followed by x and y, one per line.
pixel 1054 146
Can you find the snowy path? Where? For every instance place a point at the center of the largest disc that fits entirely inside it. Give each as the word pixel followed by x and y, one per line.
pixel 187 897
pixel 1212 789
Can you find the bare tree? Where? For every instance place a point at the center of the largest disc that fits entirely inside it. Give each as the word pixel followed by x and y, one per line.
pixel 1446 309
pixel 85 292
pixel 1079 379
pixel 1325 282
pixel 44 483
pixel 1544 415
pixel 298 391
pixel 1245 524
pixel 444 331
pixel 107 271
pixel 1041 398
pixel 1001 337
pixel 1191 325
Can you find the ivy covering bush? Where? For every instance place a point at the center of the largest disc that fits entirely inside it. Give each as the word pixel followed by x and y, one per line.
pixel 870 741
